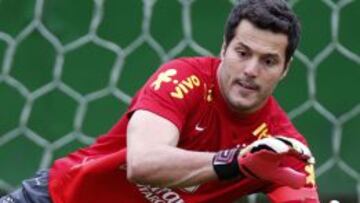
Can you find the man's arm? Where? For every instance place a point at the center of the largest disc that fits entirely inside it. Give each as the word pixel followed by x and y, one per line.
pixel 152 156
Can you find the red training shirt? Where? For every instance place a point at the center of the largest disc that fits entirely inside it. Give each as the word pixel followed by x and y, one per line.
pixel 184 91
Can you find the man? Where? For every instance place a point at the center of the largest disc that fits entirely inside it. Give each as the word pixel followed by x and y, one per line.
pixel 200 130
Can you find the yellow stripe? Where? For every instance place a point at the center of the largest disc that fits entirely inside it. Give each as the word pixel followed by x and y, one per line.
pixel 263 134
pixel 258 130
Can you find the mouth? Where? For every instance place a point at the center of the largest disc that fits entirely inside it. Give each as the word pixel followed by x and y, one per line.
pixel 247 85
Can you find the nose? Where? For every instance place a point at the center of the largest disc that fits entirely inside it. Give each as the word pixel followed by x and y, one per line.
pixel 251 68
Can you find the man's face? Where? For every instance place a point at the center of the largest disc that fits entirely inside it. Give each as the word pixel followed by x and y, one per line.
pixel 252 65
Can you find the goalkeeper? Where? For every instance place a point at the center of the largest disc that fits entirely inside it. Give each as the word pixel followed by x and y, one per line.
pixel 200 130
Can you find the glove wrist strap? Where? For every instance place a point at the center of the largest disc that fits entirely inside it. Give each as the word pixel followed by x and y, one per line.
pixel 226 164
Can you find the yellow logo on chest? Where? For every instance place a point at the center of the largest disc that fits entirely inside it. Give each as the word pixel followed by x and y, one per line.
pixel 261 132
pixel 310 179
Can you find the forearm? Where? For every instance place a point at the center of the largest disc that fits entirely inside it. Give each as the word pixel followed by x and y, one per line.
pixel 154 158
pixel 169 166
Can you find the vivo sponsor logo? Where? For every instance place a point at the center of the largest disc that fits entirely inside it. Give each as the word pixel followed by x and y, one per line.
pixel 159 195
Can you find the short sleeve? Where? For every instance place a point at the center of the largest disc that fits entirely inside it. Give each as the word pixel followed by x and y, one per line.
pixel 172 92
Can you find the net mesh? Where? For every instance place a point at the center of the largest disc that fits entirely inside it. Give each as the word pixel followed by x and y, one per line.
pixel 145 37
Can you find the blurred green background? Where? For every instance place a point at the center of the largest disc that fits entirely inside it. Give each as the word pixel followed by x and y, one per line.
pixel 69 69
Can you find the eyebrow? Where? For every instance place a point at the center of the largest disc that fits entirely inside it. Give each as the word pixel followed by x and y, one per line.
pixel 276 55
pixel 243 45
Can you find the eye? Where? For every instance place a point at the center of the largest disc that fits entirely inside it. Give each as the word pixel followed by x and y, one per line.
pixel 242 53
pixel 270 61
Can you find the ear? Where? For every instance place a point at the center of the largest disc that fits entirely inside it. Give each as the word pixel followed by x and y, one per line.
pixel 287 67
pixel 223 50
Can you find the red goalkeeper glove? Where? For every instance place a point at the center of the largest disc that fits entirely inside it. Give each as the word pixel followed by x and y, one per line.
pixel 261 160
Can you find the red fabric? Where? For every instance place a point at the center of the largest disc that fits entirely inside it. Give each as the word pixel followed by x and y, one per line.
pixel 78 185
pixel 188 95
pixel 289 195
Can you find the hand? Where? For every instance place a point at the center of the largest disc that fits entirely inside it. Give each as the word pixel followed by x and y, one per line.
pixel 262 159
pixel 281 145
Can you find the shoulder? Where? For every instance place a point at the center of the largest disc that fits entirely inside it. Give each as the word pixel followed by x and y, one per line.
pixel 203 66
pixel 184 76
pixel 176 89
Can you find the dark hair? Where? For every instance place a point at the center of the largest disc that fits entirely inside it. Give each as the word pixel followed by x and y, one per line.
pixel 274 15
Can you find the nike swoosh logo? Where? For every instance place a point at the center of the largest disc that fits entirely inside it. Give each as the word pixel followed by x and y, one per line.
pixel 198 128
pixel 190 189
